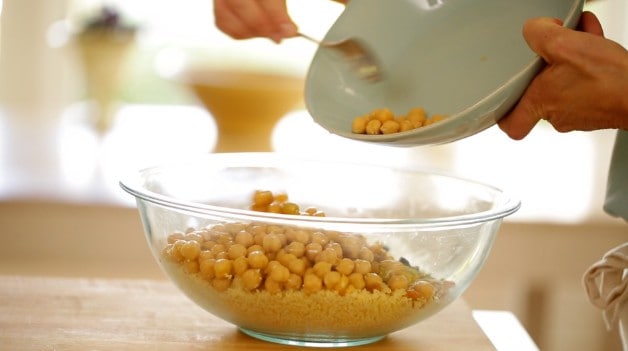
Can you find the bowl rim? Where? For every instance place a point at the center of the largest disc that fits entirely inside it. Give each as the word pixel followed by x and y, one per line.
pixel 132 184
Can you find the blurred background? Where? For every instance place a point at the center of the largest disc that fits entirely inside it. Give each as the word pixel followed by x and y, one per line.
pixel 92 90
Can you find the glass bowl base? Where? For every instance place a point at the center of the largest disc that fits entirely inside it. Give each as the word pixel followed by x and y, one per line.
pixel 311 342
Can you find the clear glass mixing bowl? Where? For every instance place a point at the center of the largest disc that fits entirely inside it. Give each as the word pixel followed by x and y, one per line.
pixel 406 242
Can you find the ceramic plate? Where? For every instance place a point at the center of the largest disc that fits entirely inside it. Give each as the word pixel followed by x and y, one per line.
pixel 465 59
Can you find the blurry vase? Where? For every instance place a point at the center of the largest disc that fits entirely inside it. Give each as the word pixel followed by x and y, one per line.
pixel 246 105
pixel 103 55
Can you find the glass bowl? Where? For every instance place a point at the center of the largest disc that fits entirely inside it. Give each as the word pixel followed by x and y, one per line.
pixel 395 245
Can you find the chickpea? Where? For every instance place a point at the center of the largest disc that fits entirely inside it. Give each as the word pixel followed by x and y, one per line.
pixel 194 236
pixel 312 250
pixel 224 239
pixel 407 125
pixel 281 197
pixel 290 208
pixel 404 124
pixel 222 268
pixel 359 125
pixel 204 255
pixel 296 248
pixel 366 254
pixel 421 289
pixel 390 127
pixel 176 250
pixel 218 248
pixel 398 281
pixel 208 244
pixel 274 229
pixel 175 236
pixel 336 248
pixel 257 259
pixel 259 208
pixel 388 268
pixel 301 236
pixel 236 250
pixel 273 208
pixel 321 268
pixel 330 279
pixel 342 284
pixel 219 228
pixel 279 273
pixel 417 117
pixel 254 247
pixel 270 266
pixel 297 266
pixel 285 258
pixel 312 283
pixel 167 251
pixel 256 229
pixel 327 255
pixel 240 265
pixel 244 238
pixel 333 235
pixel 345 266
pixel 312 211
pixel 258 238
pixel 263 198
pixel 251 279
pixel 383 115
pixel 319 238
pixel 294 282
pixel 362 266
pixel 222 254
pixel 379 252
pixel 373 126
pixel 206 268
pixel 271 243
pixel 272 286
pixel 351 245
pixel 434 119
pixel 233 228
pixel 357 280
pixel 373 282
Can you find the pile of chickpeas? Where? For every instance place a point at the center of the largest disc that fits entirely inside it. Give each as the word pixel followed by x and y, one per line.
pixel 274 258
pixel 384 121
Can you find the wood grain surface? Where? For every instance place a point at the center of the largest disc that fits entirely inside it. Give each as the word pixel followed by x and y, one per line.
pixel 68 314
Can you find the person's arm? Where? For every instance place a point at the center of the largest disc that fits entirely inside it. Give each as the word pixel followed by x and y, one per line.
pixel 584 85
pixel 245 19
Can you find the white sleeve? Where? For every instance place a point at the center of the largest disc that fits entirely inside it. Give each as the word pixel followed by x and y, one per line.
pixel 616 203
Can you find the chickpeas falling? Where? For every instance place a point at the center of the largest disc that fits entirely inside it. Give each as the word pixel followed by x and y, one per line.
pixel 383 121
pixel 266 201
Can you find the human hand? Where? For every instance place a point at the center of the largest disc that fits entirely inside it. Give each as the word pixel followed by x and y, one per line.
pixel 583 85
pixel 245 19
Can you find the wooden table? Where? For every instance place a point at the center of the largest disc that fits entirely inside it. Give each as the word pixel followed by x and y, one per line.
pixel 66 314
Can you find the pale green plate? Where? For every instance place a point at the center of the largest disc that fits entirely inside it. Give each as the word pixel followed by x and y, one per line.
pixel 463 58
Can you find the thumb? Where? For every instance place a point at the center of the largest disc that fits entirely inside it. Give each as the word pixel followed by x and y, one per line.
pixel 523 117
pixel 538 31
